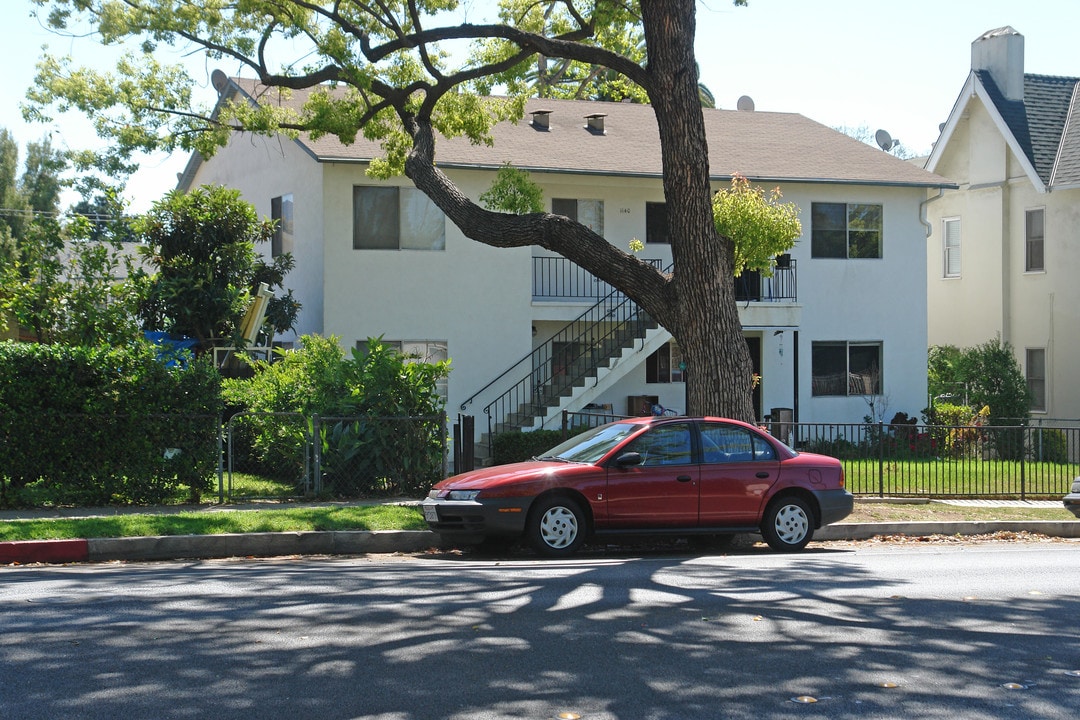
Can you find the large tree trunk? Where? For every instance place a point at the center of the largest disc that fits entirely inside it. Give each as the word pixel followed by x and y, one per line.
pixel 706 319
pixel 697 304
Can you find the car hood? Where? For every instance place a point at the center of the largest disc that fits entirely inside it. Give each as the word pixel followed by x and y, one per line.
pixel 499 475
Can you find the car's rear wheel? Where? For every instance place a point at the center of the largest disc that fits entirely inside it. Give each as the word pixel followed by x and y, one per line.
pixel 556 526
pixel 788 524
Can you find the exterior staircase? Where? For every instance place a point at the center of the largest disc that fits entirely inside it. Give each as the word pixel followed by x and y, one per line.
pixel 569 370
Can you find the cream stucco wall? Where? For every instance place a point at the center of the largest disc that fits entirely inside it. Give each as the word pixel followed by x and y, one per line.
pixel 994 295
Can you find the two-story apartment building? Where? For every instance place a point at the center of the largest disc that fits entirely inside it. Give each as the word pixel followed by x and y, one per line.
pixel 1003 257
pixel 838 328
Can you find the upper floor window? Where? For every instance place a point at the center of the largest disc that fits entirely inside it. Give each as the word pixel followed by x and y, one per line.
pixel 845 230
pixel 281 211
pixel 846 368
pixel 1035 372
pixel 1033 235
pixel 665 365
pixel 656 227
pixel 393 218
pixel 951 241
pixel 589 213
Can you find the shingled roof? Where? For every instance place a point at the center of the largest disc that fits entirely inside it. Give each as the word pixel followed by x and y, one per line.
pixel 1045 124
pixel 762 146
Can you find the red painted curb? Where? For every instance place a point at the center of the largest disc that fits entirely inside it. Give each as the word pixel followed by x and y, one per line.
pixel 44 551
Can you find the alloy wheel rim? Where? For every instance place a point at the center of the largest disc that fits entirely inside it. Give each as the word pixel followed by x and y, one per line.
pixel 558 527
pixel 791 524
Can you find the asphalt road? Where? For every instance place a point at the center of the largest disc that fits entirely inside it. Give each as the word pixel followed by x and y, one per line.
pixel 952 631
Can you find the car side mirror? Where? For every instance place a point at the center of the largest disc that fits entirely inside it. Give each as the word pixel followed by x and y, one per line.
pixel 628 459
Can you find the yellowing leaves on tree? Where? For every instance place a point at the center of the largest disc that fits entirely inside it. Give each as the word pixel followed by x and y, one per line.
pixel 761 227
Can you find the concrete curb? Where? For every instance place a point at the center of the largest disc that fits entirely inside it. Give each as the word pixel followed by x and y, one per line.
pixel 360 542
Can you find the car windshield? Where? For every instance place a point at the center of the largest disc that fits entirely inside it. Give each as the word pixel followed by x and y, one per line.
pixel 591 445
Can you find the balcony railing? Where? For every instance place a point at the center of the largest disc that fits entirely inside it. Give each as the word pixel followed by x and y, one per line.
pixel 556 278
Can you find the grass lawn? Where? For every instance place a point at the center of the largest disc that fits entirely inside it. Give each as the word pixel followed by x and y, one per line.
pixel 220 519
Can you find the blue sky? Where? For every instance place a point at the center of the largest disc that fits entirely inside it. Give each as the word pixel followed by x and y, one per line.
pixel 896 66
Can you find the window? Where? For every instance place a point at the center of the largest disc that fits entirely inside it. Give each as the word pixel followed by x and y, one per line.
pixel 656 227
pixel 840 230
pixel 664 445
pixel 392 218
pixel 665 365
pixel 589 213
pixel 846 368
pixel 1033 234
pixel 951 240
pixel 726 443
pixel 424 351
pixel 281 211
pixel 1035 370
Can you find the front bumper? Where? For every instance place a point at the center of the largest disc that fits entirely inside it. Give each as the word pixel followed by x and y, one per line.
pixel 835 505
pixel 495 517
pixel 1072 503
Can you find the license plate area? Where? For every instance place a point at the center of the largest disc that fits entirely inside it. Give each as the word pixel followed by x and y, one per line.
pixel 431 513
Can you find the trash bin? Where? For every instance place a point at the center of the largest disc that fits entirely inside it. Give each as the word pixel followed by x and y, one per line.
pixel 782 419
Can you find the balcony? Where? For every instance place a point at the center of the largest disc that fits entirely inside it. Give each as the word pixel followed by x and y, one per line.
pixel 556 278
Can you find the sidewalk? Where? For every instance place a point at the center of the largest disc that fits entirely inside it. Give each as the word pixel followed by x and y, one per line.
pixel 359 542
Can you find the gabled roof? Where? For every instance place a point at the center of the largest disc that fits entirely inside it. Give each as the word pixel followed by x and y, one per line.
pixel 762 146
pixel 1043 129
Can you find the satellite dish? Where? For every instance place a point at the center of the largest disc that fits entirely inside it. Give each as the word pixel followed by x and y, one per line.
pixel 219 80
pixel 885 140
pixel 746 104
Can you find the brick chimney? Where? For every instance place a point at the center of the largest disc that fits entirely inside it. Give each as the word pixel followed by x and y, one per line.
pixel 1001 53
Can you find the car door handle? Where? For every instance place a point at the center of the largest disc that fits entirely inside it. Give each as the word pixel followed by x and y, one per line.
pixel 762 474
pixel 684 478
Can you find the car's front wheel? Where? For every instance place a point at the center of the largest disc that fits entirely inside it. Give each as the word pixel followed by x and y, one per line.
pixel 556 527
pixel 788 524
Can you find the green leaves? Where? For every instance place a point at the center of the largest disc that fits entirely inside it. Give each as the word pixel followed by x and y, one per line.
pixel 760 226
pixel 513 191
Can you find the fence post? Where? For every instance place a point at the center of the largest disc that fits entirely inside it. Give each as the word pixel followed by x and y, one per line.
pixel 316 454
pixel 1023 457
pixel 220 461
pixel 881 459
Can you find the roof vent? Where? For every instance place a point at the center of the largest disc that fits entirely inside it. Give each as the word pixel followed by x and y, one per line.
pixel 595 123
pixel 746 104
pixel 541 119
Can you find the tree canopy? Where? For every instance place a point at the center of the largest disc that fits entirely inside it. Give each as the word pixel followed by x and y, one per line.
pixel 405 84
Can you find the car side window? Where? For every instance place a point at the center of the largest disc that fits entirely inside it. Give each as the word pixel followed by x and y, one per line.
pixel 664 445
pixel 727 444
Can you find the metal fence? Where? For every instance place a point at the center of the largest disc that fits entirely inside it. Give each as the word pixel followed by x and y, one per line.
pixel 352 456
pixel 935 461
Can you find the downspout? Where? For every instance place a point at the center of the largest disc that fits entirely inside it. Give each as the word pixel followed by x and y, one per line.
pixel 922 211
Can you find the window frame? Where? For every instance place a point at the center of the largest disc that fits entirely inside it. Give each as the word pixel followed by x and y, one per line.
pixel 951 253
pixel 282 211
pixel 384 234
pixel 663 365
pixel 579 210
pixel 820 230
pixel 1033 241
pixel 1036 382
pixel 848 381
pixel 657 231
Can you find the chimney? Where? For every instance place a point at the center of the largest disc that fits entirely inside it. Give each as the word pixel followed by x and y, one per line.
pixel 1001 53
pixel 540 119
pixel 595 123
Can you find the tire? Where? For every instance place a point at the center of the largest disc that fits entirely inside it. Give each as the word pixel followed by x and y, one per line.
pixel 788 524
pixel 556 527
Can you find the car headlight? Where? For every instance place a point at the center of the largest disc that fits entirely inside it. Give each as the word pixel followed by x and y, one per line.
pixel 462 494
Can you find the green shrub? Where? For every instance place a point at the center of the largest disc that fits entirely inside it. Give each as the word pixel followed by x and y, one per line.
pixel 510 447
pixel 1050 445
pixel 380 426
pixel 104 425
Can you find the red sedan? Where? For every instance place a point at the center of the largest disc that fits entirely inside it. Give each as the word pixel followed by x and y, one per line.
pixel 647 476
